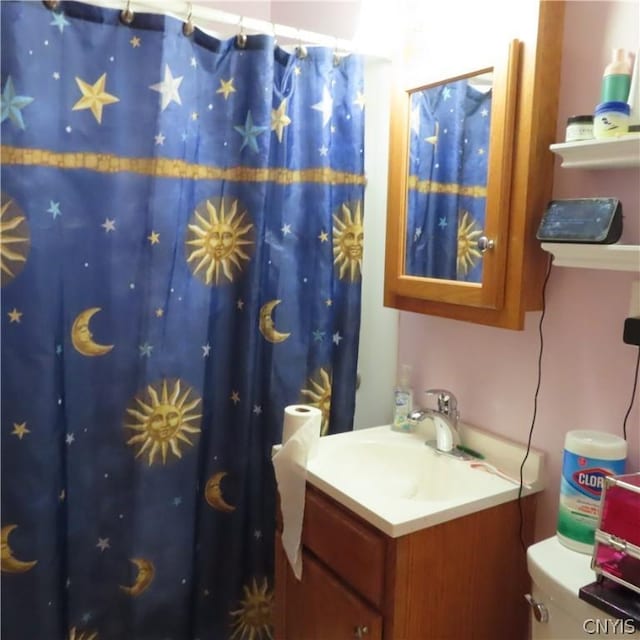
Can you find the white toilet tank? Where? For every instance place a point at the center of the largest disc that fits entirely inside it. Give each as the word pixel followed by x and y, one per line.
pixel 557 573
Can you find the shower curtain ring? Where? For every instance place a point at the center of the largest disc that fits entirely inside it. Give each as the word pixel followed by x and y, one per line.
pixel 187 27
pixel 274 34
pixel 241 38
pixel 301 50
pixel 126 16
pixel 50 4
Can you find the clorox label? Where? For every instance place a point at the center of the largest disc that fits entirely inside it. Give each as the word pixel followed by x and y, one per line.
pixel 590 481
pixel 581 487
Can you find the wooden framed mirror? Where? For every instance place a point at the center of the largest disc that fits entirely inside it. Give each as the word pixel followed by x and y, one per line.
pixel 524 51
pixel 451 152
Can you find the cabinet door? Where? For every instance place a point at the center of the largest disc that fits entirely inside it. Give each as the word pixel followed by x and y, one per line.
pixel 448 201
pixel 320 607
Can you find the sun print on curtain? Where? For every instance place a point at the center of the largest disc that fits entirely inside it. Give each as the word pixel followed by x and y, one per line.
pixel 181 243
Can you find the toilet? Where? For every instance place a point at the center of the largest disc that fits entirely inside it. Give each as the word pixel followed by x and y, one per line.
pixel 557 613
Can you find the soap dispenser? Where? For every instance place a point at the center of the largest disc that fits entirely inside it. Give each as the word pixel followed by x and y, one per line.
pixel 403 401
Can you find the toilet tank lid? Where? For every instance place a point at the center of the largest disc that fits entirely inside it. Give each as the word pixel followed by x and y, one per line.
pixel 558 570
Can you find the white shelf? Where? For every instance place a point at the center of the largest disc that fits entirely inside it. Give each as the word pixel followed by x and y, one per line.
pixel 617 257
pixel 606 153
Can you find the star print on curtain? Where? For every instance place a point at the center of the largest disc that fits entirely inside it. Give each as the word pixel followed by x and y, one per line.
pixel 181 245
pixel 448 160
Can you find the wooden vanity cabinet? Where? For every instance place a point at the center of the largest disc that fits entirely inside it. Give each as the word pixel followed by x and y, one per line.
pixel 462 579
pixel 321 607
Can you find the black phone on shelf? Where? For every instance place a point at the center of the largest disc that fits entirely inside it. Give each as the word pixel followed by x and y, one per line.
pixel 582 220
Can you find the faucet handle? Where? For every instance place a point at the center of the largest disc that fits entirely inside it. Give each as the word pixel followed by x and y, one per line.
pixel 447 403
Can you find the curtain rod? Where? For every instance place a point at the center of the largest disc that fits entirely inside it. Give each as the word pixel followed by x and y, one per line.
pixel 183 10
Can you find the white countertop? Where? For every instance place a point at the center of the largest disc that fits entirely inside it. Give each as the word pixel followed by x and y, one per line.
pixel 399 485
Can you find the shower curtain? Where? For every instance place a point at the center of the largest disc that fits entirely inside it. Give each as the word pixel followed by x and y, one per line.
pixel 447 195
pixel 181 244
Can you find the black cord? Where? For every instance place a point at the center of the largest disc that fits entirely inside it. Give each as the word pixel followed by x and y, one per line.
pixel 633 395
pixel 535 403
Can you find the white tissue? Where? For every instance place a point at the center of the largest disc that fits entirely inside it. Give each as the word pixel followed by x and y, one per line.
pixel 300 434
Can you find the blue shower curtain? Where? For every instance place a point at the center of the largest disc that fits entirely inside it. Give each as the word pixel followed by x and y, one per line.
pixel 181 246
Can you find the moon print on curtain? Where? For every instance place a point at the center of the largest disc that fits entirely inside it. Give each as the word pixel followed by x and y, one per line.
pixel 181 244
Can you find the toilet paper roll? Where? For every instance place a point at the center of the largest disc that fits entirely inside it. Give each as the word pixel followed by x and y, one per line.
pixel 298 415
pixel 300 435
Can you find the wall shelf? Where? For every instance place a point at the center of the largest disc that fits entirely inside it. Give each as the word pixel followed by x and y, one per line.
pixel 606 153
pixel 617 257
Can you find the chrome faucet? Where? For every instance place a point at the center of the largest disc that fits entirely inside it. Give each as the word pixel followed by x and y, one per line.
pixel 445 418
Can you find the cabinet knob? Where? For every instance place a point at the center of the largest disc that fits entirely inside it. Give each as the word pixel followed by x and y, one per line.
pixel 485 244
pixel 540 612
pixel 361 631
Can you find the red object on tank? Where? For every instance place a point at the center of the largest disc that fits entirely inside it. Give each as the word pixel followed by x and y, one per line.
pixel 616 552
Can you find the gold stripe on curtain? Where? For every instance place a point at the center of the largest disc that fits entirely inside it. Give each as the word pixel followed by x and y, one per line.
pixel 172 168
pixel 451 188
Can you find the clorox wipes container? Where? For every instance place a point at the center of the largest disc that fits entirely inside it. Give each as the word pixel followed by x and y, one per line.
pixel 588 457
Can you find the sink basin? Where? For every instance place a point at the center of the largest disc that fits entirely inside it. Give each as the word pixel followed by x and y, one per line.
pixel 405 470
pixel 396 482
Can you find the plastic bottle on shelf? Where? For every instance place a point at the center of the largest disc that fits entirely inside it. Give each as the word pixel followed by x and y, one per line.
pixel 634 95
pixel 616 79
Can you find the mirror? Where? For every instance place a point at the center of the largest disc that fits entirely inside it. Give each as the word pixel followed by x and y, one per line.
pixel 449 134
pixel 451 151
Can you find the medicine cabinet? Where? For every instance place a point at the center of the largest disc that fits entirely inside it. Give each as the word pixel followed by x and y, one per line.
pixel 461 243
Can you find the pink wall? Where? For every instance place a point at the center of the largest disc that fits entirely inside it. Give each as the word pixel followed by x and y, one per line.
pixel 587 371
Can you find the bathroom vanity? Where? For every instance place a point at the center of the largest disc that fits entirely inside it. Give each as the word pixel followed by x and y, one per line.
pixel 412 565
